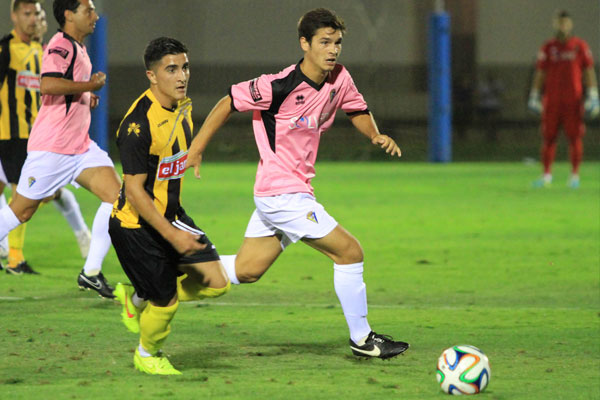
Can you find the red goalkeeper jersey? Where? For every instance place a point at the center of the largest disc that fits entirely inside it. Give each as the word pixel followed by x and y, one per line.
pixel 563 63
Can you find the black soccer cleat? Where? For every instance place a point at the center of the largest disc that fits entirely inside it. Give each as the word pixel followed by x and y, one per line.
pixel 97 283
pixel 381 346
pixel 20 269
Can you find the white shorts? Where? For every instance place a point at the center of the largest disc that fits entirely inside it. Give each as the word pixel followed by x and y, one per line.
pixel 45 172
pixel 293 216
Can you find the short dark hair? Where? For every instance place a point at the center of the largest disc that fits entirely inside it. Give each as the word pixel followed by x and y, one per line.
pixel 160 47
pixel 60 6
pixel 17 3
pixel 316 19
pixel 562 14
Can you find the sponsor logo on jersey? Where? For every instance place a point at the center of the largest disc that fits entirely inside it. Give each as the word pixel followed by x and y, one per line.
pixel 308 122
pixel 133 128
pixel 254 92
pixel 312 216
pixel 172 167
pixel 31 181
pixel 162 123
pixel 60 51
pixel 28 80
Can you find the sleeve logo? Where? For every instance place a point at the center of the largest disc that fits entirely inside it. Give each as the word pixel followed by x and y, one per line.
pixel 254 92
pixel 172 167
pixel 60 51
pixel 133 128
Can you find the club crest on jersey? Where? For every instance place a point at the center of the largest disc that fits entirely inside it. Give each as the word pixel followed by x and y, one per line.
pixel 31 181
pixel 332 95
pixel 28 80
pixel 133 128
pixel 172 167
pixel 299 99
pixel 254 92
pixel 312 216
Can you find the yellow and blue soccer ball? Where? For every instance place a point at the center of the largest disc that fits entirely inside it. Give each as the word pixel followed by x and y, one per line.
pixel 463 369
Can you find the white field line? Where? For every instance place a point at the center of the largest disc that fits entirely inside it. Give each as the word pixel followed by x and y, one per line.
pixel 331 305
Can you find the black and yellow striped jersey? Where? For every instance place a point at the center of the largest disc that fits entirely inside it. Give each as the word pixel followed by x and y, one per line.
pixel 154 140
pixel 20 67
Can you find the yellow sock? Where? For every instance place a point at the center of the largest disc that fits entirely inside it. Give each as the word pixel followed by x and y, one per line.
pixel 155 326
pixel 16 240
pixel 188 290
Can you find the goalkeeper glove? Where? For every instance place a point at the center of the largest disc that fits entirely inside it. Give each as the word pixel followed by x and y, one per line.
pixel 591 104
pixel 535 103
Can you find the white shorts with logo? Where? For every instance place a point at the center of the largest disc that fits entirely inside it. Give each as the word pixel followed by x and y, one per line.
pixel 293 216
pixel 45 172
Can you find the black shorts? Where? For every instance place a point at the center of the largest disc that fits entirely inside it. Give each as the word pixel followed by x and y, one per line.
pixel 13 153
pixel 150 261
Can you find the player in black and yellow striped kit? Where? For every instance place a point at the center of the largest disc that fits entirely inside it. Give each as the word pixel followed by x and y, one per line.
pixel 20 67
pixel 165 255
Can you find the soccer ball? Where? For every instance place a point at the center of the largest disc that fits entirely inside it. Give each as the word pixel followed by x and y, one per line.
pixel 463 369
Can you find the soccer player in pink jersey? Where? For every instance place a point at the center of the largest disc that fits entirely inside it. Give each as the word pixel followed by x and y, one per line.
pixel 562 63
pixel 59 148
pixel 291 109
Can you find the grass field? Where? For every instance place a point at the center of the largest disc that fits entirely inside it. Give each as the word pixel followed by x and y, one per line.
pixel 455 254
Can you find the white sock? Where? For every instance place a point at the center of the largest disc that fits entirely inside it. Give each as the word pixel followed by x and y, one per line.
pixel 3 203
pixel 352 293
pixel 69 207
pixel 229 264
pixel 143 351
pixel 8 221
pixel 100 240
pixel 138 302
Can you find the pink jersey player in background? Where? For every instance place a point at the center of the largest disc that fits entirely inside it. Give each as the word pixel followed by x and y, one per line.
pixel 563 62
pixel 291 109
pixel 59 150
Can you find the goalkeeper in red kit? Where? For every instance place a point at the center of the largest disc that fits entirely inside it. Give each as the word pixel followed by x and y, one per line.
pixel 563 64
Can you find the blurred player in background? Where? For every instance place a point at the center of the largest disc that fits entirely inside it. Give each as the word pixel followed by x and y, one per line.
pixel 562 62
pixel 59 148
pixel 41 28
pixel 20 65
pixel 165 255
pixel 291 109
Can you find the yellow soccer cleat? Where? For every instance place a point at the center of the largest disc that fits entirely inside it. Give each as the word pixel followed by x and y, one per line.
pixel 157 365
pixel 130 314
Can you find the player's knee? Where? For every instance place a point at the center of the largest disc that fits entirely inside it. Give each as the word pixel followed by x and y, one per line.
pixel 351 253
pixel 209 292
pixel 25 214
pixel 248 276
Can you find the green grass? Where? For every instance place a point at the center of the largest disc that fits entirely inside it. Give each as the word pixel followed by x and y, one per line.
pixel 455 254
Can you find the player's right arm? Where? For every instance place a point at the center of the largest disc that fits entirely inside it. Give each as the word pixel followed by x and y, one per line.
pixel 57 66
pixel 184 242
pixel 534 104
pixel 215 120
pixel 60 86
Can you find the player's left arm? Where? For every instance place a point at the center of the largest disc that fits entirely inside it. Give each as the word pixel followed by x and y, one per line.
pixel 592 102
pixel 365 123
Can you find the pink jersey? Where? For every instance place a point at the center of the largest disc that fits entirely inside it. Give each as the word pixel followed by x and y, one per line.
pixel 63 121
pixel 290 114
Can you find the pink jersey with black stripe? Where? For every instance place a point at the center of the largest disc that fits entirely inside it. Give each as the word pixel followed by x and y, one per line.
pixel 290 112
pixel 63 121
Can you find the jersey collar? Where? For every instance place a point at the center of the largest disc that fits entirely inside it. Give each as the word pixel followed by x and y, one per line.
pixel 306 79
pixel 181 104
